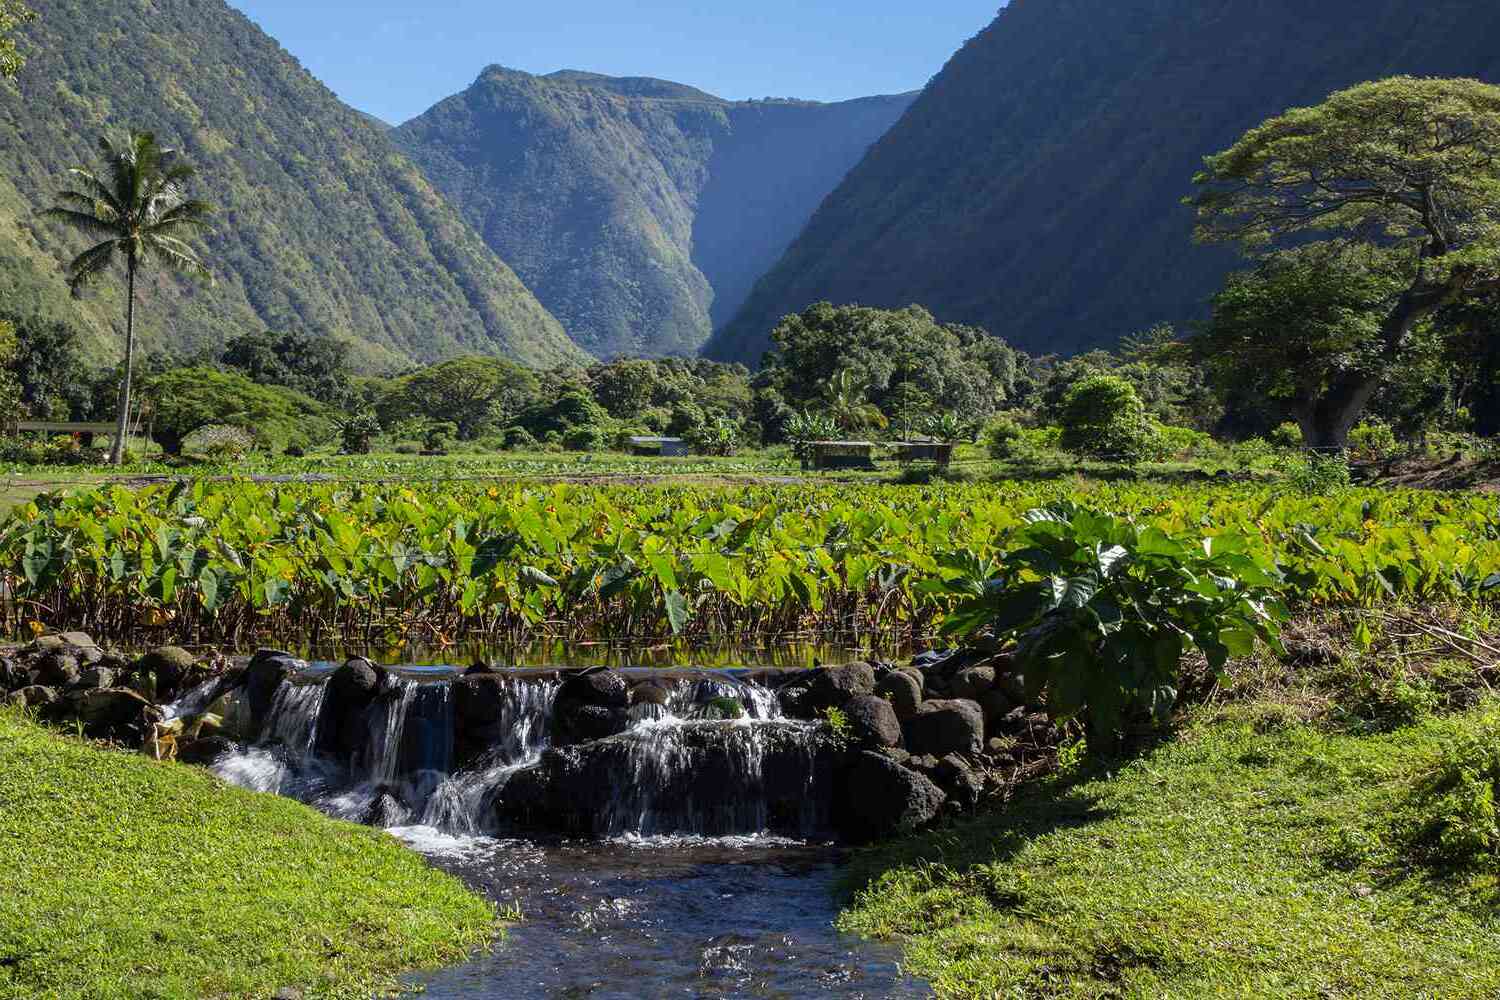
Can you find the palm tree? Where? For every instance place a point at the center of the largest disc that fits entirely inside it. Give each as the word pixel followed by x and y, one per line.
pixel 138 205
pixel 849 407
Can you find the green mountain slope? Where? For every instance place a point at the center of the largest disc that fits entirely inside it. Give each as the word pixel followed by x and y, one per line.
pixel 639 211
pixel 322 220
pixel 1035 187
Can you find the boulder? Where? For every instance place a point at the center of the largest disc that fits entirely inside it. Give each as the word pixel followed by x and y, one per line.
pixel 872 722
pixel 996 705
pixel 972 682
pixel 36 696
pixel 56 669
pixel 880 798
pixel 832 687
pixel 113 711
pixel 959 781
pixel 712 779
pixel 172 669
pixel 596 687
pixel 943 727
pixel 574 722
pixel 267 669
pixel 649 693
pixel 97 677
pixel 205 751
pixel 356 683
pixel 903 691
pixel 796 701
pixel 478 699
pixel 12 674
pixel 78 640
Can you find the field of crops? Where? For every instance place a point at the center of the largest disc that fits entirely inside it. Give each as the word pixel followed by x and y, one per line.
pixel 237 562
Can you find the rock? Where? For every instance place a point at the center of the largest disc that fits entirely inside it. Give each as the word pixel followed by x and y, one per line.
pixel 56 669
pixel 903 691
pixel 1010 682
pixel 944 727
pixel 78 640
pixel 574 723
pixel 356 683
pixel 832 687
pixel 288 992
pixel 480 668
pixel 872 722
pixel 596 687
pixel 46 644
pixel 916 674
pixel 267 669
pixel 97 677
pixel 12 675
pixel 996 705
pixel 796 701
pixel 36 696
pixel 649 693
pixel 880 798
pixel 113 711
pixel 972 682
pixel 692 779
pixel 205 751
pixel 172 669
pixel 479 699
pixel 960 782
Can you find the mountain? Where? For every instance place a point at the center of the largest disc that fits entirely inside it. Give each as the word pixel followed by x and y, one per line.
pixel 1035 187
pixel 639 211
pixel 322 222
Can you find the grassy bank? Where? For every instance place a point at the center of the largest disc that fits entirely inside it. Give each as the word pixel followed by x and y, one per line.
pixel 1254 855
pixel 124 878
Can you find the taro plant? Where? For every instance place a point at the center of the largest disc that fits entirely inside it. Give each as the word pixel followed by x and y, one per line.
pixel 1103 611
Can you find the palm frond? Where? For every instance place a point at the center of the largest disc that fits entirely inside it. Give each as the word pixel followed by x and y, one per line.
pixel 188 213
pixel 90 186
pixel 88 222
pixel 177 255
pixel 89 265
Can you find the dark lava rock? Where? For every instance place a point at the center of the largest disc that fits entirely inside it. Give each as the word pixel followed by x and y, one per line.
pixel 944 727
pixel 959 781
pixel 872 722
pixel 573 722
pixel 903 691
pixel 97 677
pixel 12 674
pixel 480 668
pixel 649 693
pixel 479 699
pixel 880 798
pixel 356 683
pixel 832 687
pixel 971 682
pixel 796 701
pixel 172 669
pixel 36 696
pixel 113 712
pixel 693 779
pixel 996 705
pixel 205 752
pixel 56 669
pixel 267 669
pixel 596 687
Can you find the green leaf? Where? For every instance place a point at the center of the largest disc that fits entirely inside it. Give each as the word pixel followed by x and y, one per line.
pixel 678 611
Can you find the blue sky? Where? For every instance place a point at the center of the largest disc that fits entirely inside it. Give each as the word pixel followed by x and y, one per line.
pixel 395 59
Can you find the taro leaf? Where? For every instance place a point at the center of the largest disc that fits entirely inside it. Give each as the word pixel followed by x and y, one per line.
pixel 1491 582
pixel 890 577
pixel 1035 558
pixel 37 561
pixel 1020 608
pixel 1111 559
pixel 208 589
pixel 277 591
pixel 535 577
pixel 966 620
pixel 678 611
pixel 230 555
pixel 1238 641
pixel 615 579
pixel 117 565
pixel 492 551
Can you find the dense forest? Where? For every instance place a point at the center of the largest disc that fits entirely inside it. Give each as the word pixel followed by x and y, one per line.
pixel 639 211
pixel 1035 187
pixel 322 223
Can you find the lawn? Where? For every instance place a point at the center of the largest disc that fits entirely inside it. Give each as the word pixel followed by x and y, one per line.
pixel 124 878
pixel 1253 856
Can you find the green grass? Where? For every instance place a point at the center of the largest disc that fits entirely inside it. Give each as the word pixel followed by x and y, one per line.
pixel 124 878
pixel 1243 859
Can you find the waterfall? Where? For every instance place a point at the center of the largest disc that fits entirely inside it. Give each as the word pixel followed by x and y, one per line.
pixel 681 768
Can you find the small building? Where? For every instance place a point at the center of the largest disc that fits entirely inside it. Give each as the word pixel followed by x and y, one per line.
pixel 84 434
pixel 659 446
pixel 843 455
pixel 940 452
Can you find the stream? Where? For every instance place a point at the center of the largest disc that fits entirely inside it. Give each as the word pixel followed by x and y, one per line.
pixel 684 894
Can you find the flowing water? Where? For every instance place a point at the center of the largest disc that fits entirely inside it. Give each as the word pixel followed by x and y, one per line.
pixel 660 909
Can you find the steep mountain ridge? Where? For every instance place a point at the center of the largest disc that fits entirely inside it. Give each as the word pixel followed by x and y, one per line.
pixel 639 211
pixel 322 222
pixel 1035 187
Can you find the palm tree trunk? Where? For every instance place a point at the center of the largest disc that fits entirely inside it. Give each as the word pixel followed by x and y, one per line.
pixel 122 422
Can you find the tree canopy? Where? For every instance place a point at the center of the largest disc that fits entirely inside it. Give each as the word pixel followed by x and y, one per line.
pixel 1408 166
pixel 13 14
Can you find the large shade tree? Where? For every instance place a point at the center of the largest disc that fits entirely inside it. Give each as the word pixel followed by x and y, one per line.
pixel 138 206
pixel 13 14
pixel 1406 165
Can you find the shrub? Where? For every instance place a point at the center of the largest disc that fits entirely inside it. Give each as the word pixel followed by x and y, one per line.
pixel 1002 437
pixel 1373 440
pixel 224 442
pixel 1103 611
pixel 407 448
pixel 1287 435
pixel 585 439
pixel 357 433
pixel 720 437
pixel 1246 455
pixel 1451 818
pixel 1102 417
pixel 518 439
pixel 1184 442
pixel 1318 475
